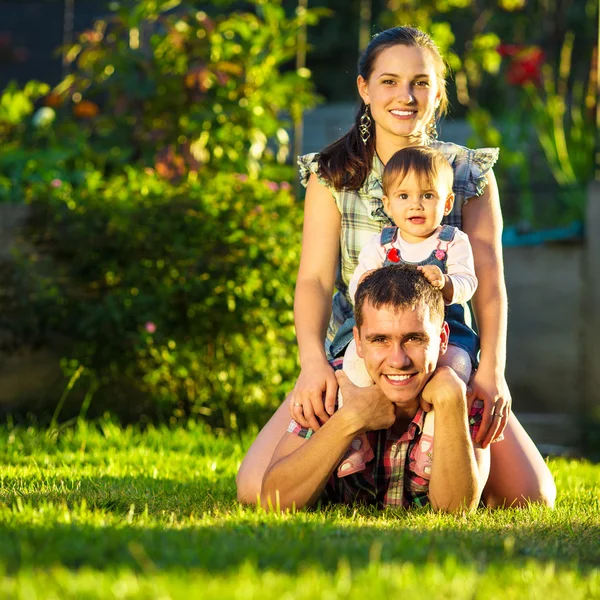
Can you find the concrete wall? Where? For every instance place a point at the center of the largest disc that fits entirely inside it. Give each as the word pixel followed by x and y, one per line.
pixel 544 350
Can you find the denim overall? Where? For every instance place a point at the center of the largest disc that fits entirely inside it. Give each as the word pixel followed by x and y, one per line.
pixel 461 335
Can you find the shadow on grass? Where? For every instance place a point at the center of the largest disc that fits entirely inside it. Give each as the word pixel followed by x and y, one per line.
pixel 289 547
pixel 314 540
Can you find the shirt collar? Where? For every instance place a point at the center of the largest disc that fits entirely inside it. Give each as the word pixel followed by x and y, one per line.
pixel 415 427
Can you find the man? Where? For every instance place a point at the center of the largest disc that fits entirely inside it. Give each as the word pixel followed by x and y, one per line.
pixel 400 333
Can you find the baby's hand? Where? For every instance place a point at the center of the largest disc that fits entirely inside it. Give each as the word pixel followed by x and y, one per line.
pixel 434 275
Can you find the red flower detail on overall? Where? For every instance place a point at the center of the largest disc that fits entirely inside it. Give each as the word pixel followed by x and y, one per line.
pixel 393 255
pixel 440 254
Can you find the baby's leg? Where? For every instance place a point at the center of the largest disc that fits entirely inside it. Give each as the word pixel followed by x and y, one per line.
pixel 360 452
pixel 458 360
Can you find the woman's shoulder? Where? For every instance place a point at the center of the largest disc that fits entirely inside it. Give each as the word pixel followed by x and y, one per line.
pixel 470 166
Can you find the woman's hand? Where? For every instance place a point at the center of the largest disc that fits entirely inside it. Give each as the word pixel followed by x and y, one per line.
pixel 497 404
pixel 314 394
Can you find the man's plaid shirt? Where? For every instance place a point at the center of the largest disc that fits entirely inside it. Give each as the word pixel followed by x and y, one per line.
pixel 400 472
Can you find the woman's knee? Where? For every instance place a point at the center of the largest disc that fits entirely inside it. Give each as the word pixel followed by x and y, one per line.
pixel 248 483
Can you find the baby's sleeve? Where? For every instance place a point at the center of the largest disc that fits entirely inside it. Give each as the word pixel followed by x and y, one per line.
pixel 372 256
pixel 461 268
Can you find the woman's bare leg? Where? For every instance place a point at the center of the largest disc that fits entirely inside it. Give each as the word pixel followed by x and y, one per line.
pixel 255 463
pixel 518 473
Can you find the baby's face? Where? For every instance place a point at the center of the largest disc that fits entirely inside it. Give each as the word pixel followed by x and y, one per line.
pixel 418 206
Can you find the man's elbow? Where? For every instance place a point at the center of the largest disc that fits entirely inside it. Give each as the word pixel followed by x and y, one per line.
pixel 273 499
pixel 467 502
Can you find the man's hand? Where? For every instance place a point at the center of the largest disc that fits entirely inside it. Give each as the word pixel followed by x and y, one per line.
pixel 368 408
pixel 434 275
pixel 444 386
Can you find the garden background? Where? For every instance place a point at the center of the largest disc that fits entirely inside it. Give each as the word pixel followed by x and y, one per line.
pixel 150 223
pixel 151 214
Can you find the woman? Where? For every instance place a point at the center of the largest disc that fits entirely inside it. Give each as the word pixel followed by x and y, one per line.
pixel 402 86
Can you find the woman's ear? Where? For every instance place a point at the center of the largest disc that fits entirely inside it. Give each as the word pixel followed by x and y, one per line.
pixel 363 89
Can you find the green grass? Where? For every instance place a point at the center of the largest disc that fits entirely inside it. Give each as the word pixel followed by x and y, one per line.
pixel 102 512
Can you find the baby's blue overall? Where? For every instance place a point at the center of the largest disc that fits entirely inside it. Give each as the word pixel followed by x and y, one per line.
pixel 461 335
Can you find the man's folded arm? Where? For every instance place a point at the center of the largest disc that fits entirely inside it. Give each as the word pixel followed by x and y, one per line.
pixel 460 467
pixel 300 468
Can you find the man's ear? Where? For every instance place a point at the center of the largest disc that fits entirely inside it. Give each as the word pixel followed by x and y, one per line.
pixel 444 337
pixel 356 334
pixel 363 89
pixel 449 204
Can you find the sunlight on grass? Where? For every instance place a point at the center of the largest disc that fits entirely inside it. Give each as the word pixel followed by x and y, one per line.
pixel 105 512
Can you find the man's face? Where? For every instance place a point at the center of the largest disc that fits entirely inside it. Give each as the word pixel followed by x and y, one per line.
pixel 400 349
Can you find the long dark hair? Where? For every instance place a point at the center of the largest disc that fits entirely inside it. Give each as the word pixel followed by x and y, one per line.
pixel 346 163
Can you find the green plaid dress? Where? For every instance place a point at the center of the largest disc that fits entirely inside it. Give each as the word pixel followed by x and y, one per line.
pixel 363 214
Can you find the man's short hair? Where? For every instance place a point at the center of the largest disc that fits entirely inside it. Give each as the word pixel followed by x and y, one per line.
pixel 428 164
pixel 398 286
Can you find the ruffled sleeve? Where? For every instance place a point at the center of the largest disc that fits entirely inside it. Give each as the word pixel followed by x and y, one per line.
pixel 309 163
pixel 470 168
pixel 480 162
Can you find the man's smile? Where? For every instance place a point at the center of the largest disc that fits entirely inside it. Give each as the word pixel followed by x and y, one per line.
pixel 399 379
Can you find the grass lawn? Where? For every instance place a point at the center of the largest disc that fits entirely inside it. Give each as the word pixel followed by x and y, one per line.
pixel 103 512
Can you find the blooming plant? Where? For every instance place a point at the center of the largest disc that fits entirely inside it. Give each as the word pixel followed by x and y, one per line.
pixel 180 90
pixel 560 105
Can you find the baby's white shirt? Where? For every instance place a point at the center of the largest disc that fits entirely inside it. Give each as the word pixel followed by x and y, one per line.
pixel 459 262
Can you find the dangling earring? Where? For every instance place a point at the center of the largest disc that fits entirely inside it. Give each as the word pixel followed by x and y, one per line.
pixel 365 125
pixel 431 131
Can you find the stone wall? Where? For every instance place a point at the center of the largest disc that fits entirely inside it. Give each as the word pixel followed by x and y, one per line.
pixel 544 350
pixel 30 374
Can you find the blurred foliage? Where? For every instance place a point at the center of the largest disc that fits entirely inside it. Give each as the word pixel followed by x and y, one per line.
pixel 543 119
pixel 166 237
pixel 186 91
pixel 181 294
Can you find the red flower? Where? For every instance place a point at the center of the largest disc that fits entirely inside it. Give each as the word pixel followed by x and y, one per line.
pixel 525 63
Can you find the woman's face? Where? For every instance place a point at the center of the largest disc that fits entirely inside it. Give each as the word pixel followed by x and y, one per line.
pixel 402 92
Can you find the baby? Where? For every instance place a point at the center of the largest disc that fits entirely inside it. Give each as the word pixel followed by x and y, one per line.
pixel 417 187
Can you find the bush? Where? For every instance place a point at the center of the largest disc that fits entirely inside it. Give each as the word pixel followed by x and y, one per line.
pixel 164 257
pixel 172 300
pixel 185 91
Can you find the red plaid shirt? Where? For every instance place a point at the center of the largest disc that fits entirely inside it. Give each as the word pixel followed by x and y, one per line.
pixel 400 472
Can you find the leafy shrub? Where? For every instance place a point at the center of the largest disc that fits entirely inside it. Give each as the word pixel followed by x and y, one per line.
pixel 164 257
pixel 179 294
pixel 184 91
